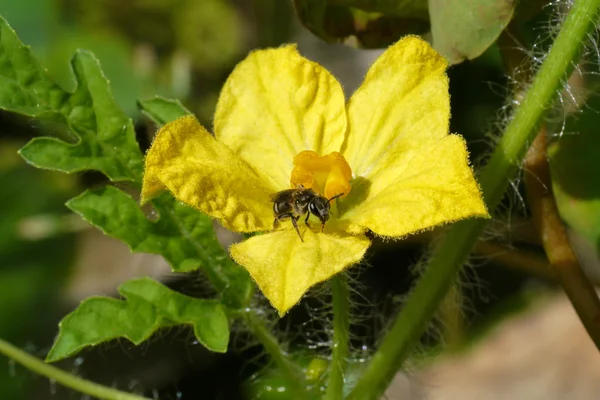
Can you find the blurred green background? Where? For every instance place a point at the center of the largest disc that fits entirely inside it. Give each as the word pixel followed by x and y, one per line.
pixel 50 260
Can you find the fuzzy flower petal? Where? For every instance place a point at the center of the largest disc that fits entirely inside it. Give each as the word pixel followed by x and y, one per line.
pixel 401 107
pixel 409 173
pixel 285 267
pixel 276 104
pixel 207 175
pixel 438 187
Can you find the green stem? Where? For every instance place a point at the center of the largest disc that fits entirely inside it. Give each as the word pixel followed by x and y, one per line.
pixel 290 370
pixel 454 249
pixel 451 316
pixel 62 377
pixel 341 327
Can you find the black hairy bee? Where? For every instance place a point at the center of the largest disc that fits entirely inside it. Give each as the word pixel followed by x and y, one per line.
pixel 294 203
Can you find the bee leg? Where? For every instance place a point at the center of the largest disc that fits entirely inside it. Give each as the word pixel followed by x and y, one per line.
pixel 279 217
pixel 295 223
pixel 306 219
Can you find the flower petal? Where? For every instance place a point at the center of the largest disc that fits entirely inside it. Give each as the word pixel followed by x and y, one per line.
pixel 284 267
pixel 438 187
pixel 402 104
pixel 276 104
pixel 207 175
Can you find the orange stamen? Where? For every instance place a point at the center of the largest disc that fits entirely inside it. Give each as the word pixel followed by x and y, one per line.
pixel 329 175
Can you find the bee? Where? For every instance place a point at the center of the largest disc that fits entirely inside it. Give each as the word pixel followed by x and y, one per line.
pixel 294 203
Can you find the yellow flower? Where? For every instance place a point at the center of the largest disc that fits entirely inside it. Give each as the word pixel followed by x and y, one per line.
pixel 282 121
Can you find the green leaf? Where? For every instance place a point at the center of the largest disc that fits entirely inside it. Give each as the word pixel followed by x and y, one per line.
pixel 148 307
pixel 575 171
pixel 116 214
pixel 372 23
pixel 104 137
pixel 464 29
pixel 184 236
pixel 106 142
pixel 162 110
pixel 116 54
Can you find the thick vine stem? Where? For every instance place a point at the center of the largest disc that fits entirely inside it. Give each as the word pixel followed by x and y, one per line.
pixel 341 328
pixel 562 258
pixel 64 378
pixel 454 249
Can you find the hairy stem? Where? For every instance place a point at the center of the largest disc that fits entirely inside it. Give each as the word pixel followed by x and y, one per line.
pixel 63 377
pixel 454 249
pixel 341 328
pixel 290 370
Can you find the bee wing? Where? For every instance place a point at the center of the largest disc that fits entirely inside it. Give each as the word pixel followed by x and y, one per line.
pixel 283 195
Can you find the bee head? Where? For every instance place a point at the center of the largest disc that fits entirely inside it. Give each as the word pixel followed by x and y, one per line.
pixel 319 207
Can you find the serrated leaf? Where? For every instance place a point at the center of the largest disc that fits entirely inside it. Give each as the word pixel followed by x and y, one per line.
pixel 162 110
pixel 106 142
pixel 104 136
pixel 182 235
pixel 464 29
pixel 116 214
pixel 148 306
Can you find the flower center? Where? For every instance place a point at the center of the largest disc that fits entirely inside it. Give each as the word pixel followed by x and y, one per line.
pixel 329 175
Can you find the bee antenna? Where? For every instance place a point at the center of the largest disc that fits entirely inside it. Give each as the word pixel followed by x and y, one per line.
pixel 335 197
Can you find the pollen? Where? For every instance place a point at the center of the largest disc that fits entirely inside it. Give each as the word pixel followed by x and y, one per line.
pixel 329 175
